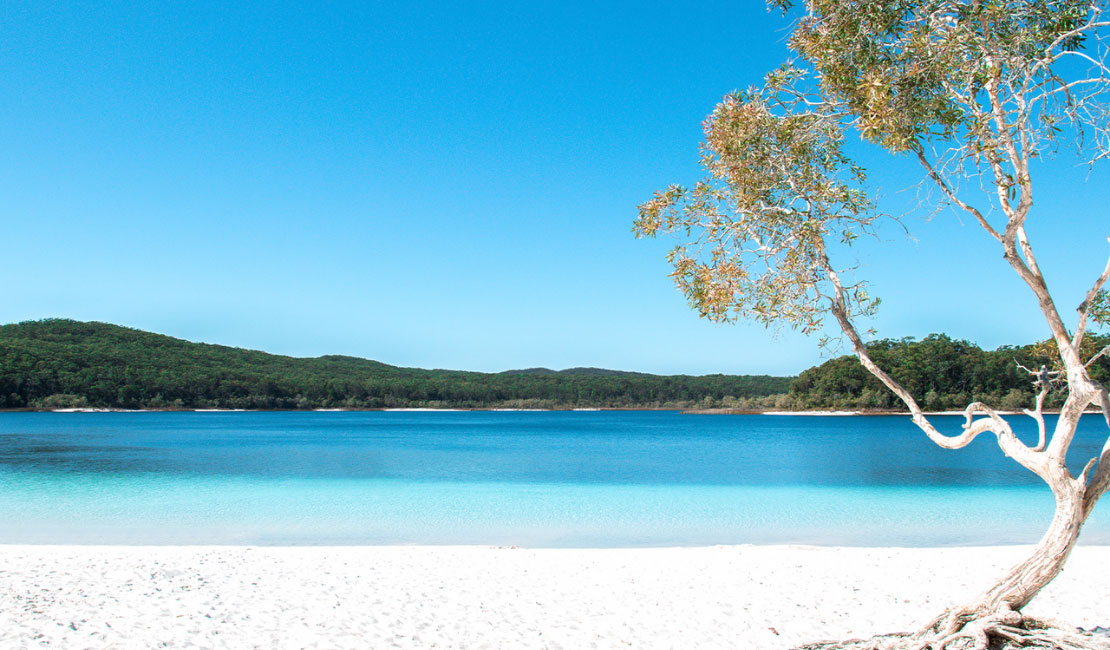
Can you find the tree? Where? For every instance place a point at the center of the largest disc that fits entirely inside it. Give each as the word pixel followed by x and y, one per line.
pixel 973 90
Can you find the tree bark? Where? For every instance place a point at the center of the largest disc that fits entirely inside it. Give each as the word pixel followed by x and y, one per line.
pixel 1022 582
pixel 994 619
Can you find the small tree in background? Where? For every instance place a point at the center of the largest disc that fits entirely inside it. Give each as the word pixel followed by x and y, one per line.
pixel 974 91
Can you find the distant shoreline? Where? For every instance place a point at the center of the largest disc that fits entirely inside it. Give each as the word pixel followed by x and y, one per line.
pixel 59 364
pixel 830 413
pixel 398 409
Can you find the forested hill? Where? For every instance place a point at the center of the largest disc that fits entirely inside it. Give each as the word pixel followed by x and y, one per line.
pixel 64 363
pixel 940 372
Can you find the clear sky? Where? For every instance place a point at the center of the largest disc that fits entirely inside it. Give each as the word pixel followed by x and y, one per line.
pixel 429 184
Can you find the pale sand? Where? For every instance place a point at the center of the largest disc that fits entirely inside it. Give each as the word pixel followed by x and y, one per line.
pixel 475 597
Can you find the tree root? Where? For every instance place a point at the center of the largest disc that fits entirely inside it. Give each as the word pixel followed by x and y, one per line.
pixel 1004 629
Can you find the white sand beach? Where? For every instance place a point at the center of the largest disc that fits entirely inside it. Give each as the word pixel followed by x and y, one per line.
pixel 751 597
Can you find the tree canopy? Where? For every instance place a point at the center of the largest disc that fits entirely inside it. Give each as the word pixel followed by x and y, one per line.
pixel 945 374
pixel 63 363
pixel 975 91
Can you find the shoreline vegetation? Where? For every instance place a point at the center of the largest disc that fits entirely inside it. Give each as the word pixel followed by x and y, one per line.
pixel 710 411
pixel 556 409
pixel 71 366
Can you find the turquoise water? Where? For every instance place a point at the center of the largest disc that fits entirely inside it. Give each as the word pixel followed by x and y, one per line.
pixel 500 478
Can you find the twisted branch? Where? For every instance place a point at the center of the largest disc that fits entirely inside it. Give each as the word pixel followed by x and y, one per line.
pixel 1085 307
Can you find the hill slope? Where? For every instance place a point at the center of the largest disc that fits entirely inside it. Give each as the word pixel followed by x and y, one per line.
pixel 940 372
pixel 64 363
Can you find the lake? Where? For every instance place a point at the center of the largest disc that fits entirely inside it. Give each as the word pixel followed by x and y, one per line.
pixel 606 478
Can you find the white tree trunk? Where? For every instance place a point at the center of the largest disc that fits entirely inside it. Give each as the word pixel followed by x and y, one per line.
pixel 1022 582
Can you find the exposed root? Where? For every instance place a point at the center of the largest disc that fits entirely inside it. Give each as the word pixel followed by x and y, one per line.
pixel 1004 629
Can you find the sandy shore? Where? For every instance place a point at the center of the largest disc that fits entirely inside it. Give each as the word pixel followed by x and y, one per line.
pixel 751 597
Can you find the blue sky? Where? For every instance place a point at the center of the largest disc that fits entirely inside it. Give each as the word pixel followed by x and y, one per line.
pixel 429 184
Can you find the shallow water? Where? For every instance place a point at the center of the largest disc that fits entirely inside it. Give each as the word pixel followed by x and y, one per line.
pixel 525 478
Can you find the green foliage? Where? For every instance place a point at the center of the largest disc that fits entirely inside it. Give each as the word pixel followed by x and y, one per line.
pixel 1047 353
pixel 1100 308
pixel 912 70
pixel 942 373
pixel 61 401
pixel 778 185
pixel 972 88
pixel 68 364
pixel 58 364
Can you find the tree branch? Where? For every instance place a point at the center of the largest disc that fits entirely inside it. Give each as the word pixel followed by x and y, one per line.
pixel 1101 352
pixel 1037 285
pixel 1085 307
pixel 936 177
pixel 1038 415
pixel 993 423
pixel 1100 482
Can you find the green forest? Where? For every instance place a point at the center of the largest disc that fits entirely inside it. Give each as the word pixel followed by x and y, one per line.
pixel 57 363
pixel 50 364
pixel 941 373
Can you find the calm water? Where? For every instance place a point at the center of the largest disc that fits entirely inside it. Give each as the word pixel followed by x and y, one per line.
pixel 525 478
